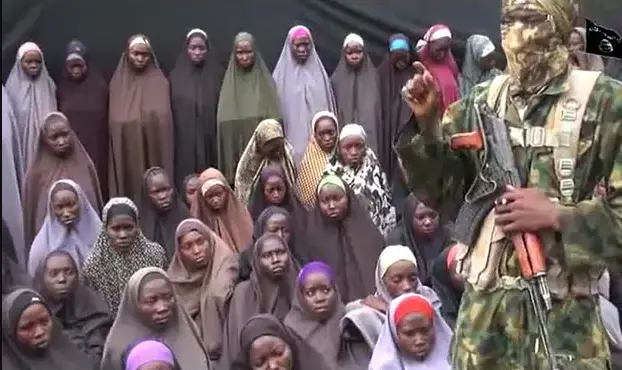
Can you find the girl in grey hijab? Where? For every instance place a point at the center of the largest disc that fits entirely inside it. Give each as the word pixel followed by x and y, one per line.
pixel 477 65
pixel 33 94
pixel 303 87
pixel 12 176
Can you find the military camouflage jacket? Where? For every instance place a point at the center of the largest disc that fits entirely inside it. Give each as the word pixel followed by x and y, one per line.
pixel 593 227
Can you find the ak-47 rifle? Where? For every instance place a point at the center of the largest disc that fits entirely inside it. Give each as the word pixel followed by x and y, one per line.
pixel 499 171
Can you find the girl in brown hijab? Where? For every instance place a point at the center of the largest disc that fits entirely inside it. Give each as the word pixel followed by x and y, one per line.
pixel 141 122
pixel 267 147
pixel 222 212
pixel 203 272
pixel 83 98
pixel 195 86
pixel 161 209
pixel 342 234
pixel 149 308
pixel 60 155
pixel 270 290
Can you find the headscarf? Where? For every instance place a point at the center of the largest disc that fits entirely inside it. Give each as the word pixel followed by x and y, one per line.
pixel 395 113
pixel 180 334
pixel 12 177
pixel 141 123
pixel 194 100
pixel 446 72
pixel 205 294
pixel 252 161
pixel 84 315
pixel 258 295
pixel 246 98
pixel 477 48
pixel 290 202
pixel 47 168
pixel 387 355
pixel 304 357
pixel 148 351
pixel 303 90
pixel 85 103
pixel 32 100
pixel 536 54
pixel 323 337
pixel 391 255
pixel 54 236
pixel 61 353
pixel 106 270
pixel 159 227
pixel 233 224
pixel 425 249
pixel 368 320
pixel 349 246
pixel 593 62
pixel 367 181
pixel 356 92
pixel 313 163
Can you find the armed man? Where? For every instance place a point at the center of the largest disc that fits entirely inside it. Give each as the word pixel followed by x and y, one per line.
pixel 524 152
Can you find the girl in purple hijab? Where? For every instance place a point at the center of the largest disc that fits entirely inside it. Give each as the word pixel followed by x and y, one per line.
pixel 303 87
pixel 148 354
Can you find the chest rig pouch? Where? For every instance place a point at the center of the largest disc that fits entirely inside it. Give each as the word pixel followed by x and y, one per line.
pixel 483 264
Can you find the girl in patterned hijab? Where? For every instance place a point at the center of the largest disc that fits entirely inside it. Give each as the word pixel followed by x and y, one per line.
pixel 268 146
pixel 356 164
pixel 120 250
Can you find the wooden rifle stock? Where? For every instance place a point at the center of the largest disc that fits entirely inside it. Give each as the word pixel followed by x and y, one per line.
pixel 468 140
pixel 530 255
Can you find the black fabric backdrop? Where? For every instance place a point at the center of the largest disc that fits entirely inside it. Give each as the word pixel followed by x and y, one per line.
pixel 105 25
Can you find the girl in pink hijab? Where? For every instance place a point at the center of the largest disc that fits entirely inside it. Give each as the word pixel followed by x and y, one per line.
pixel 434 51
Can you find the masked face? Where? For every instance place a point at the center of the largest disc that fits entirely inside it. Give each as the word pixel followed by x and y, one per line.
pixel 533 34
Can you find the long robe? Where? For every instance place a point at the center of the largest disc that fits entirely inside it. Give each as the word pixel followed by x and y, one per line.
pixel 303 90
pixel 141 126
pixel 394 112
pixel 32 100
pixel 247 97
pixel 47 168
pixel 12 176
pixel 357 96
pixel 85 103
pixel 194 100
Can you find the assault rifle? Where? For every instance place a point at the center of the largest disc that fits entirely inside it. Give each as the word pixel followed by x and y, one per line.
pixel 497 172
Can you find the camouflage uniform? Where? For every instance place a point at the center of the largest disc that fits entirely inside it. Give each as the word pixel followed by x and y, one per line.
pixel 497 329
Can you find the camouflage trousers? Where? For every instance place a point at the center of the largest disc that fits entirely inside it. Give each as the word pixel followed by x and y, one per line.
pixel 499 331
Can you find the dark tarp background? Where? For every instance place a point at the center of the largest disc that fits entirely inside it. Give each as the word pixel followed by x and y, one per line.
pixel 105 25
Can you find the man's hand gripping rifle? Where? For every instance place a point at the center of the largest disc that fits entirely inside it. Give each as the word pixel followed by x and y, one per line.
pixel 498 172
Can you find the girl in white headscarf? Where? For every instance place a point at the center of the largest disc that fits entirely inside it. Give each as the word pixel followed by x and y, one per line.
pixel 71 225
pixel 302 86
pixel 33 94
pixel 396 262
pixel 430 349
pixel 357 164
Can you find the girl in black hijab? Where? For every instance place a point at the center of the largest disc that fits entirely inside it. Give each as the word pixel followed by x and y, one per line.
pixel 83 314
pixel 33 340
pixel 195 88
pixel 161 209
pixel 421 230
